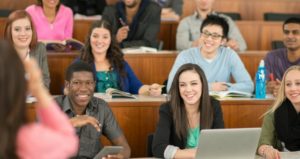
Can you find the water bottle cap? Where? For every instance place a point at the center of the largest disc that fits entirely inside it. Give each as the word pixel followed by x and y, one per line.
pixel 262 63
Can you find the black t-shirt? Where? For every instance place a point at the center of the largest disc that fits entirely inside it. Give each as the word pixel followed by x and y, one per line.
pixel 86 7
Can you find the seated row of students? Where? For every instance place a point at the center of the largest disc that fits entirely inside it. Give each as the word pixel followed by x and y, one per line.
pixel 135 23
pixel 101 52
pixel 181 119
pixel 21 32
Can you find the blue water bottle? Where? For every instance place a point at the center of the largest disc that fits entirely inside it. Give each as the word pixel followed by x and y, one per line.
pixel 260 87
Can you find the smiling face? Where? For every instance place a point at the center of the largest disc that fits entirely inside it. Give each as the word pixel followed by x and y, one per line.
pixel 292 87
pixel 291 37
pixel 211 35
pixel 50 3
pixel 190 88
pixel 100 40
pixel 21 33
pixel 81 88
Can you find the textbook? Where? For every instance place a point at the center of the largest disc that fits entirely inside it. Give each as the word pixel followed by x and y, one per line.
pixel 64 46
pixel 230 94
pixel 141 49
pixel 115 93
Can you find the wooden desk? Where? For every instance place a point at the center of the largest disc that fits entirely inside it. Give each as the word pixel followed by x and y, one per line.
pixel 149 68
pixel 138 117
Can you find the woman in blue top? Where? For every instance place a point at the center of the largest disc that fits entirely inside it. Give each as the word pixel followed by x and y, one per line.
pixel 189 110
pixel 112 71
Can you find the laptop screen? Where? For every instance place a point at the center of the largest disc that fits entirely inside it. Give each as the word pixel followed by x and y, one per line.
pixel 228 143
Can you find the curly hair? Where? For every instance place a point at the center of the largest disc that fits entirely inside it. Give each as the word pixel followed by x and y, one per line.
pixel 114 54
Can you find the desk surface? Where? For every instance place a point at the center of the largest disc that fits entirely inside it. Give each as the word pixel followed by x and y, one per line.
pixel 138 117
pixel 286 155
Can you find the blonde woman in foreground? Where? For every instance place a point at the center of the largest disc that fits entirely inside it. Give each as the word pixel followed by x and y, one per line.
pixel 281 124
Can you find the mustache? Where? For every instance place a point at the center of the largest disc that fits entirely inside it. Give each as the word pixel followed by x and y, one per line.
pixel 291 40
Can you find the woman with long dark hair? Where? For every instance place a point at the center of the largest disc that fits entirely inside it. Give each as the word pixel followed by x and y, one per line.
pixel 112 71
pixel 53 136
pixel 189 110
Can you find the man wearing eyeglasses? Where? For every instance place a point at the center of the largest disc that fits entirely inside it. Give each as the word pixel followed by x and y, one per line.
pixel 277 61
pixel 219 63
pixel 188 32
pixel 91 116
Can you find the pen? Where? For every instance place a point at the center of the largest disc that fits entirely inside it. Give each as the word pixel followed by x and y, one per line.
pixel 122 22
pixel 271 76
pixel 227 84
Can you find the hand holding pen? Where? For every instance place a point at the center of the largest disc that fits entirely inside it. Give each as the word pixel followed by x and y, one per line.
pixel 273 85
pixel 123 31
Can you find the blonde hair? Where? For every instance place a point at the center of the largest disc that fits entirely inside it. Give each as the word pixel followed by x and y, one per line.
pixel 281 92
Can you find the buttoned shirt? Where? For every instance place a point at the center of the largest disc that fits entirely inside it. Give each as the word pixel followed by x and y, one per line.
pixel 89 137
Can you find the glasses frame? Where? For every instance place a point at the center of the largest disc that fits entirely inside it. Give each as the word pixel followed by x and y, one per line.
pixel 214 36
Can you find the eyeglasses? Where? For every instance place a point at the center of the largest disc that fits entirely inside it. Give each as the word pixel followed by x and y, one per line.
pixel 214 36
pixel 77 84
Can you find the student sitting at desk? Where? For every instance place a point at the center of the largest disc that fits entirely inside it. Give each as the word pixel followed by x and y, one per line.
pixel 21 33
pixel 112 71
pixel 91 116
pixel 53 136
pixel 279 60
pixel 134 22
pixel 218 62
pixel 53 21
pixel 188 31
pixel 281 124
pixel 189 110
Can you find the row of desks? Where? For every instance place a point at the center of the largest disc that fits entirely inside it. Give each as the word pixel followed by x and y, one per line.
pixel 257 34
pixel 148 67
pixel 138 117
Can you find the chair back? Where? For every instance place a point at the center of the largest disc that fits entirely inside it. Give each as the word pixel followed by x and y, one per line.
pixel 279 16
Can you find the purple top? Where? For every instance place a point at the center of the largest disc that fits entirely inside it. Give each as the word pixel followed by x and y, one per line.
pixel 277 62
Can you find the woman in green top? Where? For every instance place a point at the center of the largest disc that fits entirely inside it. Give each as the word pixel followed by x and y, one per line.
pixel 190 107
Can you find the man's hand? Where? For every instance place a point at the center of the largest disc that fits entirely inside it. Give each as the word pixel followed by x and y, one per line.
pixel 82 120
pixel 122 33
pixel 273 87
pixel 233 44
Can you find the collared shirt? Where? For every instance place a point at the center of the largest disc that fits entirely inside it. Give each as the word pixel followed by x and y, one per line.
pixel 188 31
pixel 89 138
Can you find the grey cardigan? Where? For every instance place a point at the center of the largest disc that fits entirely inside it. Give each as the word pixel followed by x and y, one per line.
pixel 40 54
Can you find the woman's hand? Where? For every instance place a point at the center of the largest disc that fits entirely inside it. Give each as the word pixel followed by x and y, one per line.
pixel 34 77
pixel 268 152
pixel 155 89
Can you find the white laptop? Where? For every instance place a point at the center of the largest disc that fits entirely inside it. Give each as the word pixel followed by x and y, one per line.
pixel 228 143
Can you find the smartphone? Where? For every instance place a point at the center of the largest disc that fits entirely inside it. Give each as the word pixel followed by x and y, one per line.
pixel 108 150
